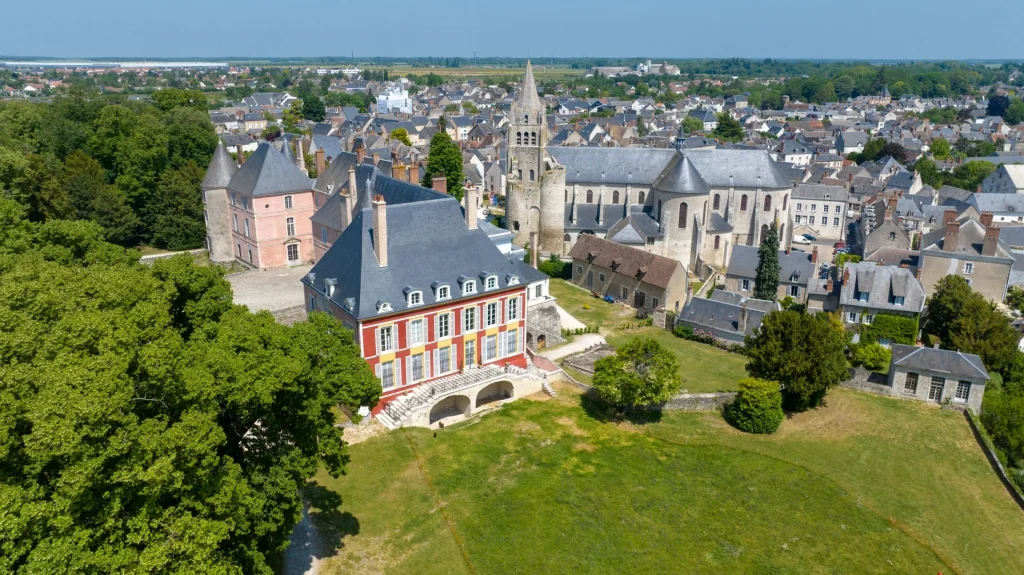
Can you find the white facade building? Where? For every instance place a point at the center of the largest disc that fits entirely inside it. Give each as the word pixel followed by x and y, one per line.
pixel 394 99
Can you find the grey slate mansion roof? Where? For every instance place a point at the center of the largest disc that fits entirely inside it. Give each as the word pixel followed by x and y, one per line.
pixel 881 284
pixel 686 171
pixel 429 245
pixel 722 314
pixel 954 363
pixel 266 173
pixel 970 241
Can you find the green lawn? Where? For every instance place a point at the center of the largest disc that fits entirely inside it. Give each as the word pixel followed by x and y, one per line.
pixel 601 313
pixel 702 367
pixel 864 485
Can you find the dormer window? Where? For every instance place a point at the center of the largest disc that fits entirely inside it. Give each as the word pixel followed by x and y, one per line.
pixel 863 296
pixel 443 293
pixel 492 283
pixel 513 280
pixel 469 287
pixel 383 307
pixel 416 298
pixel 897 300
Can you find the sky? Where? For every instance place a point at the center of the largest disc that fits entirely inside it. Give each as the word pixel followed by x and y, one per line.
pixel 794 29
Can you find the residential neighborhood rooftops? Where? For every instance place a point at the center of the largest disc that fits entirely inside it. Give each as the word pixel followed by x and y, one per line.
pixel 883 287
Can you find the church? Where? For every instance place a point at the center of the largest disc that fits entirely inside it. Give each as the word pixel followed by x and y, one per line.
pixel 692 206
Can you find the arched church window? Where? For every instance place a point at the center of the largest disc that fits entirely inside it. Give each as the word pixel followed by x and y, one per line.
pixel 526 118
pixel 717 241
pixel 519 138
pixel 743 203
pixel 567 196
pixel 566 238
pixel 515 225
pixel 683 209
pixel 641 197
pixel 785 200
pixel 767 203
pixel 615 197
pixel 590 196
pixel 531 175
pixel 520 175
pixel 717 202
pixel 533 138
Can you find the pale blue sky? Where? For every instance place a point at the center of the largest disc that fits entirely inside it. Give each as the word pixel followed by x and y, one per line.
pixel 860 29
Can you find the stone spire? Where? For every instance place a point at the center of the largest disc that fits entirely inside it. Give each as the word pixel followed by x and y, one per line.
pixel 222 167
pixel 286 149
pixel 528 101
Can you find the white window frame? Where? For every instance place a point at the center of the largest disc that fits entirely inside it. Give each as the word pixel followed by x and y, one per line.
pixel 907 388
pixel 744 285
pixel 469 352
pixel 444 325
pixel 469 319
pixel 512 309
pixel 491 283
pixel 288 249
pixel 491 319
pixel 412 368
pixel 289 227
pixel 511 342
pixel 234 220
pixel 441 352
pixel 415 298
pixel 967 396
pixel 852 317
pixel 383 367
pixel 835 222
pixel 385 339
pixel 968 268
pixel 414 332
pixel 839 209
pixel 288 203
pixel 469 288
pixel 487 355
pixel 443 293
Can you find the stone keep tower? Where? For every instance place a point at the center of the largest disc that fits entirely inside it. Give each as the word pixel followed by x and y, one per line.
pixel 534 201
pixel 215 204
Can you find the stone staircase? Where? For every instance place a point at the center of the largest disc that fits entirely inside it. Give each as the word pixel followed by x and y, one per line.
pixel 548 389
pixel 396 413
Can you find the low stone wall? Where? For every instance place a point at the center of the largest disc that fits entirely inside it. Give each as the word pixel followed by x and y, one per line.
pixel 993 459
pixel 153 257
pixel 584 361
pixel 863 379
pixel 681 402
pixel 290 315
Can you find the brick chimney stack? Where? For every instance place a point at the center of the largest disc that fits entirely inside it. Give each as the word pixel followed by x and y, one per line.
pixel 396 170
pixel 360 151
pixel 380 230
pixel 951 240
pixel 814 255
pixel 986 219
pixel 991 242
pixel 891 208
pixel 321 162
pixel 376 158
pixel 846 276
pixel 471 198
pixel 440 184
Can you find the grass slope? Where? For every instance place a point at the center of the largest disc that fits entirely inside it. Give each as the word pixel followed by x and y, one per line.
pixel 865 485
pixel 601 313
pixel 703 368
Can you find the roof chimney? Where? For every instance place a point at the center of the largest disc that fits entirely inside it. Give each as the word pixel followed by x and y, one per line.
pixel 380 231
pixel 988 248
pixel 353 189
pixel 360 151
pixel 986 219
pixel 814 255
pixel 376 158
pixel 743 317
pixel 321 162
pixel 979 189
pixel 846 276
pixel 949 243
pixel 470 197
pixel 891 208
pixel 396 170
pixel 440 184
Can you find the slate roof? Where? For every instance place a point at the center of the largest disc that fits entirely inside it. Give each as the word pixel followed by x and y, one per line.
pixel 955 363
pixel 634 229
pixel 882 283
pixel 1003 203
pixel 793 268
pixel 267 173
pixel 804 191
pixel 680 176
pixel 720 315
pixel 429 245
pixel 624 260
pixel 329 144
pixel 640 166
pixel 221 169
pixel 970 240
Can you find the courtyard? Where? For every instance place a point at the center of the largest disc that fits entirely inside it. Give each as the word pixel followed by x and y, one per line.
pixel 866 484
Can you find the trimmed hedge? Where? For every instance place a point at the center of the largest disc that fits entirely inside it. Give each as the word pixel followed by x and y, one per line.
pixel 872 356
pixel 757 407
pixel 895 328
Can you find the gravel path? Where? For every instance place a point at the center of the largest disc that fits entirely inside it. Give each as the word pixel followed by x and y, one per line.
pixel 568 321
pixel 579 344
pixel 302 557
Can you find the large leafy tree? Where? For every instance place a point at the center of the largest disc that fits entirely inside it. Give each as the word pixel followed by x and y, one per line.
pixel 149 424
pixel 177 209
pixel 170 98
pixel 445 159
pixel 313 109
pixel 941 149
pixel 964 320
pixel 997 105
pixel 805 353
pixel 190 137
pixel 728 129
pixel 766 280
pixel 642 372
pixel 691 125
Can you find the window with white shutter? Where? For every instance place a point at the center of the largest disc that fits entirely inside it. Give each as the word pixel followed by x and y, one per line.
pixel 501 344
pixel 427 373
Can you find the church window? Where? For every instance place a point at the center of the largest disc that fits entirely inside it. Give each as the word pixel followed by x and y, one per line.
pixel 743 203
pixel 717 202
pixel 641 197
pixel 767 203
pixel 526 118
pixel 519 137
pixel 717 240
pixel 615 197
pixel 532 175
pixel 682 214
pixel 520 175
pixel 566 238
pixel 590 196
pixel 515 225
pixel 785 200
pixel 533 138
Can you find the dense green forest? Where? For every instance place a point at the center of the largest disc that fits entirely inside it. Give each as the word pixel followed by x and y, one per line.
pixel 132 167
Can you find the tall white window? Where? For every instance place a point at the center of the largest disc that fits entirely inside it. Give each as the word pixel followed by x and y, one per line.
pixel 839 209
pixel 963 391
pixel 511 342
pixel 387 374
pixel 234 222
pixel 246 227
pixel 290 225
pixel 491 315
pixel 490 348
pixel 469 288
pixel 492 282
pixel 968 268
pixel 293 252
pixel 444 325
pixel 470 347
pixel 835 221
pixel 386 339
pixel 416 367
pixel 745 285
pixel 444 359
pixel 287 202
pixel 512 306
pixel 469 319
pixel 415 332
pixel 910 385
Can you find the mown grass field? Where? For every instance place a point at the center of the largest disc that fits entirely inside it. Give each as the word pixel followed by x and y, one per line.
pixel 703 368
pixel 588 309
pixel 864 485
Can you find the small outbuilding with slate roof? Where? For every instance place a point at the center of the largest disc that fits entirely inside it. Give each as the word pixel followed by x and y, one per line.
pixel 728 316
pixel 937 376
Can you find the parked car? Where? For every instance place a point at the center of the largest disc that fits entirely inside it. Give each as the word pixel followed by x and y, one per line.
pixel 810 237
pixel 801 240
pixel 842 251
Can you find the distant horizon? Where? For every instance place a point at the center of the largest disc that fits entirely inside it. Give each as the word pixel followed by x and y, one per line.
pixel 871 31
pixel 537 60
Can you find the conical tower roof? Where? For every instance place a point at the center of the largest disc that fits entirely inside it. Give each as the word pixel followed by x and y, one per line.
pixel 528 101
pixel 681 177
pixel 286 149
pixel 268 173
pixel 221 168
